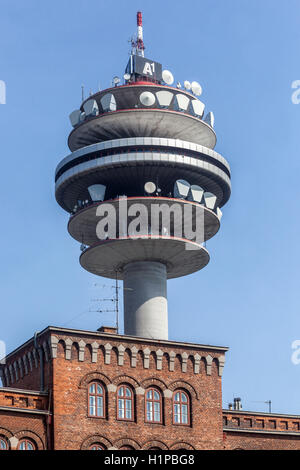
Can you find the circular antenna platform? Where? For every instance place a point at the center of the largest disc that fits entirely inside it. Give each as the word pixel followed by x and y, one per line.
pixel 167 77
pixel 187 85
pixel 111 255
pixel 85 220
pixel 196 88
pixel 147 98
pixel 150 187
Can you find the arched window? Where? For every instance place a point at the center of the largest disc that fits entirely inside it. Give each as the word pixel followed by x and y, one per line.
pixel 153 406
pixel 3 443
pixel 96 400
pixel 25 444
pixel 97 446
pixel 126 448
pixel 181 408
pixel 125 403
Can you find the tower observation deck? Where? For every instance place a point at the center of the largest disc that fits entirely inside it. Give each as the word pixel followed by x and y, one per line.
pixel 143 186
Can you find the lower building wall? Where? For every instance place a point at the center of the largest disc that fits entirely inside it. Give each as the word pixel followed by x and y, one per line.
pixel 249 441
pixel 16 426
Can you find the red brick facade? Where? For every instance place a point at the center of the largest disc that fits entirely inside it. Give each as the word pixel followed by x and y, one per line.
pixel 59 417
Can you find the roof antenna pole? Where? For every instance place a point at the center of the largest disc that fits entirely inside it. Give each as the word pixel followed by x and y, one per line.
pixel 140 43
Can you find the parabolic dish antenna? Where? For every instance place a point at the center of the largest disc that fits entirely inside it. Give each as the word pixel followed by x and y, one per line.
pixel 147 98
pixel 126 76
pixel 150 187
pixel 187 85
pixel 167 77
pixel 196 88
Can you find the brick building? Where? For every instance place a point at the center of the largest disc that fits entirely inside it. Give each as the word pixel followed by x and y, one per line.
pixel 70 389
pixel 145 144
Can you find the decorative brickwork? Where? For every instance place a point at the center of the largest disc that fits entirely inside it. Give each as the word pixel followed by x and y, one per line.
pixel 246 430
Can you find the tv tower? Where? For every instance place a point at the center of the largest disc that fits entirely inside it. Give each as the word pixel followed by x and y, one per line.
pixel 143 186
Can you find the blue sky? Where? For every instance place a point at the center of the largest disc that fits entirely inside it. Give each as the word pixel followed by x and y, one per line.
pixel 245 55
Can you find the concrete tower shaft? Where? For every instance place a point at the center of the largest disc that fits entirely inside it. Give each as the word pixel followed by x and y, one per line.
pixel 143 186
pixel 145 299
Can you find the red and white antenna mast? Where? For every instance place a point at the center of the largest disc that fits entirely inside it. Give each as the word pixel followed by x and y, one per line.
pixel 140 43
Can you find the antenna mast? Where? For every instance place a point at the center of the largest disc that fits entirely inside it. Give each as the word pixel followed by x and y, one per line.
pixel 138 45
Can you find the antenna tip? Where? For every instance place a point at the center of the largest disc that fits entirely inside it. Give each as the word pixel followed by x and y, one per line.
pixel 139 18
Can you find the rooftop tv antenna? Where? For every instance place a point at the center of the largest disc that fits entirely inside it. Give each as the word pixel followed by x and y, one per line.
pixel 267 402
pixel 114 299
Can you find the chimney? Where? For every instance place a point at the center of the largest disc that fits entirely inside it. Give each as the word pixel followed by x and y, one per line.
pixel 112 330
pixel 237 404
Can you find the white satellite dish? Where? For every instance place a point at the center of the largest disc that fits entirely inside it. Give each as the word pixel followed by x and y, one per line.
pixel 126 76
pixel 196 88
pixel 187 85
pixel 181 102
pixel 116 80
pixel 210 200
pixel 195 193
pixel 181 189
pixel 164 98
pixel 75 117
pixel 108 102
pixel 150 187
pixel 210 119
pixel 91 107
pixel 167 77
pixel 147 98
pixel 97 192
pixel 197 108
